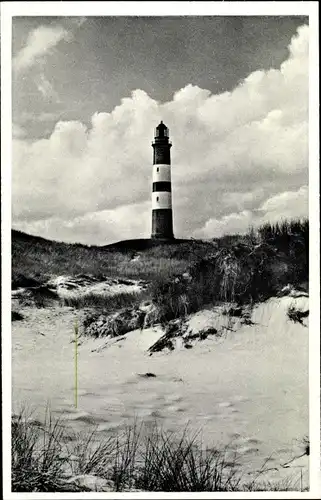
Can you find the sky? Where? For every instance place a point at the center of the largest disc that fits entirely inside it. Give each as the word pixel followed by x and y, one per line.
pixel 87 93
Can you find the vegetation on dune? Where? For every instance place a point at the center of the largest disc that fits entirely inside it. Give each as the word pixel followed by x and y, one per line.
pixel 37 460
pixel 241 270
pixel 101 324
pixel 184 277
pixel 49 458
pixel 272 248
pixel 38 260
pixel 104 302
pixel 40 296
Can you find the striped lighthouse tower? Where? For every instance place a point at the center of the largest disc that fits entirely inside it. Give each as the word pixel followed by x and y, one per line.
pixel 162 215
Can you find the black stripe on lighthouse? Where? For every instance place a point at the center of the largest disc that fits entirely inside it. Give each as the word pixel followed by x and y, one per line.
pixel 162 224
pixel 162 186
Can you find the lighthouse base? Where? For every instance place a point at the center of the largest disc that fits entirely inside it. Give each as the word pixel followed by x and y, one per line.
pixel 162 224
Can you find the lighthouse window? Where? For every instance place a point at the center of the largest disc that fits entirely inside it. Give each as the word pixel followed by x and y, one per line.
pixel 157 169
pixel 157 199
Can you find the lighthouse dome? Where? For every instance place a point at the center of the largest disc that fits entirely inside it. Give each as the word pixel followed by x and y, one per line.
pixel 161 130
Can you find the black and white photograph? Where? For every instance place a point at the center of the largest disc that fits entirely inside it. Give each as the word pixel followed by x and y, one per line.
pixel 160 320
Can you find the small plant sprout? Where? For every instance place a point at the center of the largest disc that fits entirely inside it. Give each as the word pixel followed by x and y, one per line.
pixel 76 363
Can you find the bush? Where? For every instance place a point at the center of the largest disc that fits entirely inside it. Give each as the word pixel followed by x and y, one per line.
pixel 291 239
pixel 178 297
pixel 239 269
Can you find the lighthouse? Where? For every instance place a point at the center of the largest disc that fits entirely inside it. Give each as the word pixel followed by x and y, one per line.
pixel 162 214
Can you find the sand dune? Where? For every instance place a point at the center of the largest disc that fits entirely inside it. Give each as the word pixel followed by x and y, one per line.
pixel 246 388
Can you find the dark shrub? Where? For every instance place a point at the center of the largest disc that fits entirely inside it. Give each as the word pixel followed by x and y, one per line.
pixel 16 316
pixel 21 281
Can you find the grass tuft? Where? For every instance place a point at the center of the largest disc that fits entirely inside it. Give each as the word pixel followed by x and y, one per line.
pixel 46 458
pixel 38 462
pixel 104 302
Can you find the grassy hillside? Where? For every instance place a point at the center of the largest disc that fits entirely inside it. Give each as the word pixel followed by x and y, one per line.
pixel 38 258
pixel 238 268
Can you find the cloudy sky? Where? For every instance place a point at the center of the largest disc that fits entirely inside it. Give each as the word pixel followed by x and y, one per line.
pixel 88 92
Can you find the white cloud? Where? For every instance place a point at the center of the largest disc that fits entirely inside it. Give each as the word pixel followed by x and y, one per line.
pixel 231 153
pixel 286 205
pixel 95 227
pixel 229 224
pixel 39 43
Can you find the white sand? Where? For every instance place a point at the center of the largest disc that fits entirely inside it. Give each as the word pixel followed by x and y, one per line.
pixel 248 387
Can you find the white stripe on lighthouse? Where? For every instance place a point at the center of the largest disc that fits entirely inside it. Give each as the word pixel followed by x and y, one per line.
pixel 161 173
pixel 161 199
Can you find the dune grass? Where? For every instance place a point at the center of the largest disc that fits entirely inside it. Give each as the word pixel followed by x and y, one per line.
pixel 41 259
pixel 279 247
pixel 46 457
pixel 184 277
pixel 241 270
pixel 36 455
pixel 104 302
